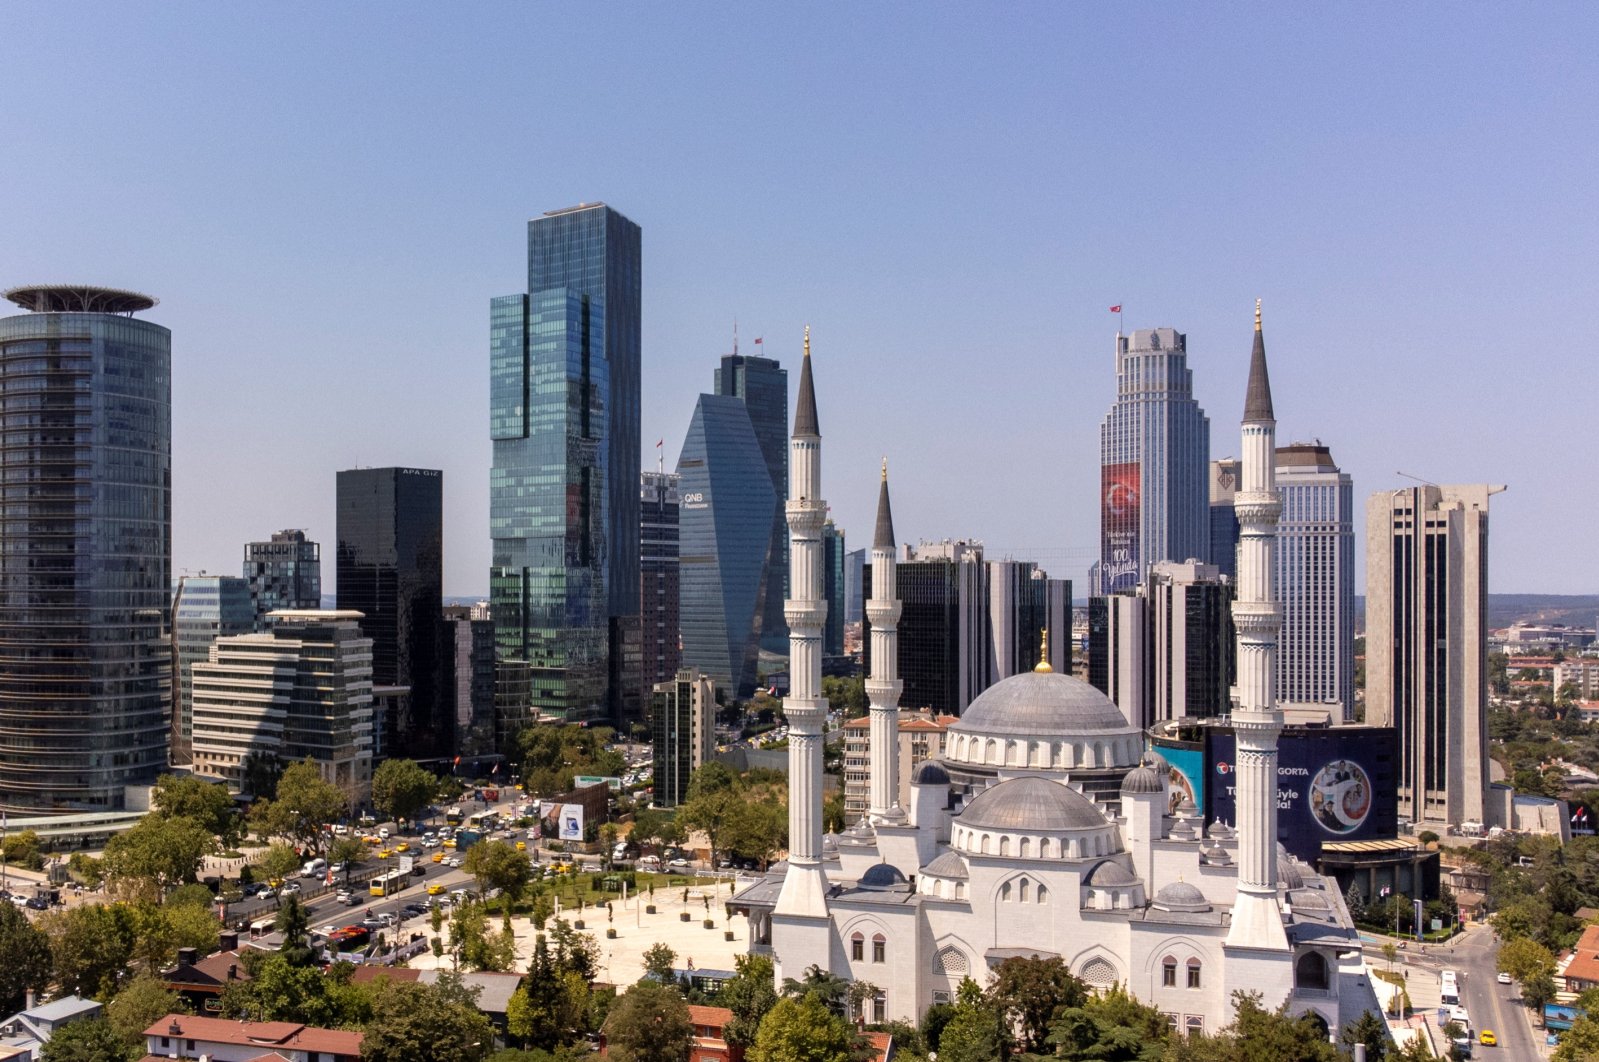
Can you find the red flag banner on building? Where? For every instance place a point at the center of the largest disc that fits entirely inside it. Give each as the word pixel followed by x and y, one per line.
pixel 1116 309
pixel 757 340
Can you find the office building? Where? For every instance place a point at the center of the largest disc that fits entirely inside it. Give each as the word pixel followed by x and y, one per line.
pixel 302 690
pixel 284 573
pixel 683 717
pixel 1121 649
pixel 1016 617
pixel 1426 651
pixel 724 527
pixel 390 564
pixel 563 490
pixel 1193 666
pixel 468 680
pixel 1316 581
pixel 204 608
pixel 762 384
pixel 513 699
pixel 86 568
pixel 1154 456
pixel 854 586
pixel 833 554
pixel 659 593
pixel 943 625
pixel 1223 517
pixel 1058 621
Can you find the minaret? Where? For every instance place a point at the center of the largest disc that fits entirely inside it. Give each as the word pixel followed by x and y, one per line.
pixel 804 893
pixel 883 687
pixel 1257 917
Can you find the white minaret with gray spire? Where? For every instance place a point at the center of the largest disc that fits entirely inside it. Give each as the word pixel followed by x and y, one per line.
pixel 1257 919
pixel 803 899
pixel 883 687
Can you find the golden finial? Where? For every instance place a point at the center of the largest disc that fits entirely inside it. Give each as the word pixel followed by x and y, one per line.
pixel 1257 315
pixel 885 470
pixel 807 341
pixel 1043 667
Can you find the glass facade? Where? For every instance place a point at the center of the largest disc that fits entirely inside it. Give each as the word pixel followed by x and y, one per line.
pixel 204 608
pixel 724 525
pixel 390 568
pixel 762 383
pixel 285 572
pixel 1316 581
pixel 661 650
pixel 468 680
pixel 832 589
pixel 564 424
pixel 682 714
pixel 85 557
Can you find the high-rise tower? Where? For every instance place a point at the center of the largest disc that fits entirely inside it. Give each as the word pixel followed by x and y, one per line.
pixel 86 568
pixel 883 687
pixel 1257 917
pixel 762 384
pixel 1316 581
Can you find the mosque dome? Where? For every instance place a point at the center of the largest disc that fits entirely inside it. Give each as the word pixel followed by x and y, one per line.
pixel 1142 780
pixel 1110 872
pixel 883 877
pixel 1041 704
pixel 1181 896
pixel 1288 874
pixel 930 773
pixel 1032 805
pixel 947 865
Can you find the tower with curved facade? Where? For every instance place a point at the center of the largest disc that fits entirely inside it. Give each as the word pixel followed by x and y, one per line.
pixel 86 548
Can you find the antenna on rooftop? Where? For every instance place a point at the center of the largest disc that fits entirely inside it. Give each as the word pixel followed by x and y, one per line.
pixel 1418 479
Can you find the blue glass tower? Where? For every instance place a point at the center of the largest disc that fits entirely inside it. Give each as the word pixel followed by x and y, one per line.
pixel 563 492
pixel 724 527
pixel 763 385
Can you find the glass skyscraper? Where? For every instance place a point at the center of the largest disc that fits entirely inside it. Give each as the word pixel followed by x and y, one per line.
pixel 285 572
pixel 724 524
pixel 833 580
pixel 86 554
pixel 563 492
pixel 390 568
pixel 1316 581
pixel 763 385
pixel 1154 456
pixel 204 608
pixel 659 593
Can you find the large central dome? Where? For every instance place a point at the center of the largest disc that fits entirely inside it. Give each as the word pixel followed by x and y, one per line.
pixel 1047 705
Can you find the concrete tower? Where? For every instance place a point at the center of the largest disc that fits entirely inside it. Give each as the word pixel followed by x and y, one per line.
pixel 883 687
pixel 802 903
pixel 1257 917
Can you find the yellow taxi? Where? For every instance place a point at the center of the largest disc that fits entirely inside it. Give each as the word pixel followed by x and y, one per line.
pixel 402 847
pixel 438 857
pixel 1488 1039
pixel 521 846
pixel 384 853
pixel 449 842
pixel 562 868
pixel 434 888
pixel 372 839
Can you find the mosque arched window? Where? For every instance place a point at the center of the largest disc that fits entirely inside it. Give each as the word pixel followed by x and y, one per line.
pixel 1004 893
pixel 1004 846
pixel 1022 891
pixel 1043 893
pixel 985 844
pixel 1168 972
pixel 879 948
pixel 1311 971
pixel 857 947
pixel 1193 973
pixel 1025 848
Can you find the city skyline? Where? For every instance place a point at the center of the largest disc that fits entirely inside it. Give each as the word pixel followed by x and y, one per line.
pixel 1376 213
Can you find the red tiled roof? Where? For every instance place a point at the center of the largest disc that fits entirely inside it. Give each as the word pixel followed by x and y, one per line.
pixel 265 1034
pixel 363 974
pixel 882 1043
pixel 1584 964
pixel 716 1017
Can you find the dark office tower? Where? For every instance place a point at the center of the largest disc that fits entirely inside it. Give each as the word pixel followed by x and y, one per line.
pixel 1194 664
pixel 943 625
pixel 563 492
pixel 1223 517
pixel 1121 644
pixel 833 589
pixel 1154 454
pixel 763 385
pixel 204 608
pixel 468 680
pixel 283 573
pixel 854 580
pixel 724 524
pixel 86 550
pixel 660 651
pixel 390 567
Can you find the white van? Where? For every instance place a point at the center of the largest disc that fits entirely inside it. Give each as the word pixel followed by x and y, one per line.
pixel 314 869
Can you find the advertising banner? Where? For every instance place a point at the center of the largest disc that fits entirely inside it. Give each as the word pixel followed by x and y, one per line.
pixel 1187 774
pixel 571 822
pixel 1118 524
pixel 1332 785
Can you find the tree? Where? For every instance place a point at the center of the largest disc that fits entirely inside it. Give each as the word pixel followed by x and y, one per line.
pixel 304 804
pixel 91 947
pixel 22 849
pixel 649 1023
pixel 207 803
pixel 158 932
pixel 1257 1035
pixel 1538 990
pixel 348 851
pixel 833 813
pixel 420 1023
pixel 804 1030
pixel 1580 1043
pixel 713 801
pixel 658 960
pixel 758 830
pixel 279 862
pixel 92 1040
pixel 27 961
pixel 973 1033
pixel 1371 1030
pixel 280 990
pixel 293 922
pixel 653 826
pixel 475 946
pixel 1531 964
pixel 497 865
pixel 860 996
pixel 749 995
pixel 400 788
pixel 1110 1027
pixel 156 855
pixel 140 1004
pixel 1028 991
pixel 823 985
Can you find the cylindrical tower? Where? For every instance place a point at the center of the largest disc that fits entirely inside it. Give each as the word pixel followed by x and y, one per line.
pixel 86 555
pixel 1257 917
pixel 883 687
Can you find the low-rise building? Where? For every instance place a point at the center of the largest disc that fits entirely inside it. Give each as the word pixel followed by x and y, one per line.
pixel 1580 968
pixel 921 737
pixel 24 1034
pixel 221 1040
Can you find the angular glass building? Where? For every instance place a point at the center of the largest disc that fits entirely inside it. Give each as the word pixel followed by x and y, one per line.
pixel 204 608
pixel 564 488
pixel 659 592
pixel 762 383
pixel 390 569
pixel 724 528
pixel 86 554
pixel 285 572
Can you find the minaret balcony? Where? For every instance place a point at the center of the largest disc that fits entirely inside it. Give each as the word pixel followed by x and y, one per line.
pixel 805 615
pixel 805 515
pixel 883 613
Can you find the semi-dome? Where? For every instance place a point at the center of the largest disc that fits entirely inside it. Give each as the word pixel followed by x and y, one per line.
pixel 1032 805
pixel 1142 780
pixel 882 877
pixel 1039 704
pixel 1181 896
pixel 1110 872
pixel 930 773
pixel 947 865
pixel 1288 874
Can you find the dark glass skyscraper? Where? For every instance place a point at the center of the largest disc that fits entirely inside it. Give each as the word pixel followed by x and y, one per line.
pixel 563 492
pixel 725 543
pixel 661 652
pixel 833 588
pixel 390 567
pixel 285 572
pixel 763 385
pixel 86 553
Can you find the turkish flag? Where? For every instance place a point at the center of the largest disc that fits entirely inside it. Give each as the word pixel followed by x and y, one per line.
pixel 1116 309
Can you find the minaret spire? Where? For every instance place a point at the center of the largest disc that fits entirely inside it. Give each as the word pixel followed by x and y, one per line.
pixel 1257 921
pixel 883 686
pixel 805 407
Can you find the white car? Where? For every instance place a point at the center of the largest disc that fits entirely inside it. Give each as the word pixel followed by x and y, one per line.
pixel 288 887
pixel 678 864
pixel 453 861
pixel 1503 978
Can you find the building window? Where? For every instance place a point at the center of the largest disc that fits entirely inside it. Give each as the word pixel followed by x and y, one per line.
pixel 1023 891
pixel 880 1008
pixel 857 947
pixel 1004 893
pixel 1043 894
pixel 879 949
pixel 1194 1024
pixel 1168 972
pixel 1193 973
pixel 1311 971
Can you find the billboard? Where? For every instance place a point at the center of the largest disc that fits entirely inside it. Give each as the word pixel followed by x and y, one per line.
pixel 1333 784
pixel 1119 510
pixel 1187 774
pixel 571 822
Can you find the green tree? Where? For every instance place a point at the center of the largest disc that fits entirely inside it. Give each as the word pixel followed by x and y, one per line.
pixel 497 865
pixel 27 961
pixel 279 990
pixel 758 830
pixel 477 947
pixel 658 960
pixel 158 932
pixel 973 1033
pixel 207 803
pixel 1525 959
pixel 279 862
pixel 400 788
pixel 649 1023
pixel 22 849
pixel 156 855
pixel 1028 991
pixel 749 994
pixel 1371 1030
pixel 1111 1026
pixel 304 804
pixel 714 798
pixel 138 1005
pixel 348 851
pixel 93 1040
pixel 824 985
pixel 804 1030
pixel 1256 1035
pixel 833 813
pixel 1580 1043
pixel 653 826
pixel 91 947
pixel 421 1023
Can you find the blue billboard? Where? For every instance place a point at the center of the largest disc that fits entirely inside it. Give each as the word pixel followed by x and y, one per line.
pixel 1187 774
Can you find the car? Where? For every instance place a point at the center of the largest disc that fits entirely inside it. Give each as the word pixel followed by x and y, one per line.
pixel 678 864
pixel 1503 978
pixel 372 923
pixel 521 846
pixel 1487 1038
pixel 453 861
pixel 36 903
pixel 384 853
pixel 255 888
pixel 449 842
pixel 434 888
pixel 289 887
pixel 343 896
pixel 438 857
pixel 338 868
pixel 402 847
pixel 414 910
pixel 267 893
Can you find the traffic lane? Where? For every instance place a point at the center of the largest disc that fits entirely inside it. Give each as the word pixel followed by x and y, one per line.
pixel 253 908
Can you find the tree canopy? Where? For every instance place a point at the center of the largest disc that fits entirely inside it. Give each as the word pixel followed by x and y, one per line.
pixel 305 802
pixel 27 962
pixel 401 788
pixel 649 1023
pixel 414 1022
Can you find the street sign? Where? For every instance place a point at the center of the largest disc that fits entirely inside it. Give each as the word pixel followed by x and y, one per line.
pixel 406 863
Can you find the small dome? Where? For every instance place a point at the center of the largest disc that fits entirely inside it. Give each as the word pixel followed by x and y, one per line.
pixel 1181 896
pixel 1142 780
pixel 1032 804
pixel 1110 872
pixel 1156 761
pixel 1219 829
pixel 947 865
pixel 882 876
pixel 1288 875
pixel 1216 854
pixel 930 773
pixel 1035 704
pixel 1310 900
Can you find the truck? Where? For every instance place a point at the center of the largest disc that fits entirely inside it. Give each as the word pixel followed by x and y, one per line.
pixel 465 839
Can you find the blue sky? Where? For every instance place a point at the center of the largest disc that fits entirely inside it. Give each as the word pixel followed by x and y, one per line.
pixel 325 196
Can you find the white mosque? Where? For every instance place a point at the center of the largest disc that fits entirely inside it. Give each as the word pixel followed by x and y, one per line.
pixel 1047 829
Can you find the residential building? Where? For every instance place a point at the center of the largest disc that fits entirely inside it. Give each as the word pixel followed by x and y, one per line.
pixel 1316 581
pixel 1580 969
pixel 1223 517
pixel 563 491
pixel 710 1035
pixel 724 529
pixel 922 736
pixel 660 584
pixel 762 385
pixel 204 608
pixel 283 572
pixel 24 1034
pixel 1154 456
pixel 85 482
pixel 390 562
pixel 468 680
pixel 1582 674
pixel 1426 654
pixel 833 554
pixel 683 718
pixel 227 1040
pixel 302 690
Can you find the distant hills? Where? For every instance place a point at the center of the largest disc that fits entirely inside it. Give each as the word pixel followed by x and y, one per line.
pixel 1573 610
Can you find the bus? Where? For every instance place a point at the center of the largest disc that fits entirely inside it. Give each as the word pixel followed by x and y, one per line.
pixel 453 816
pixel 1448 989
pixel 388 884
pixel 483 821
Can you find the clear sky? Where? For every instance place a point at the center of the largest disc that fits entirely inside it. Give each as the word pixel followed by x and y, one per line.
pixel 325 196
